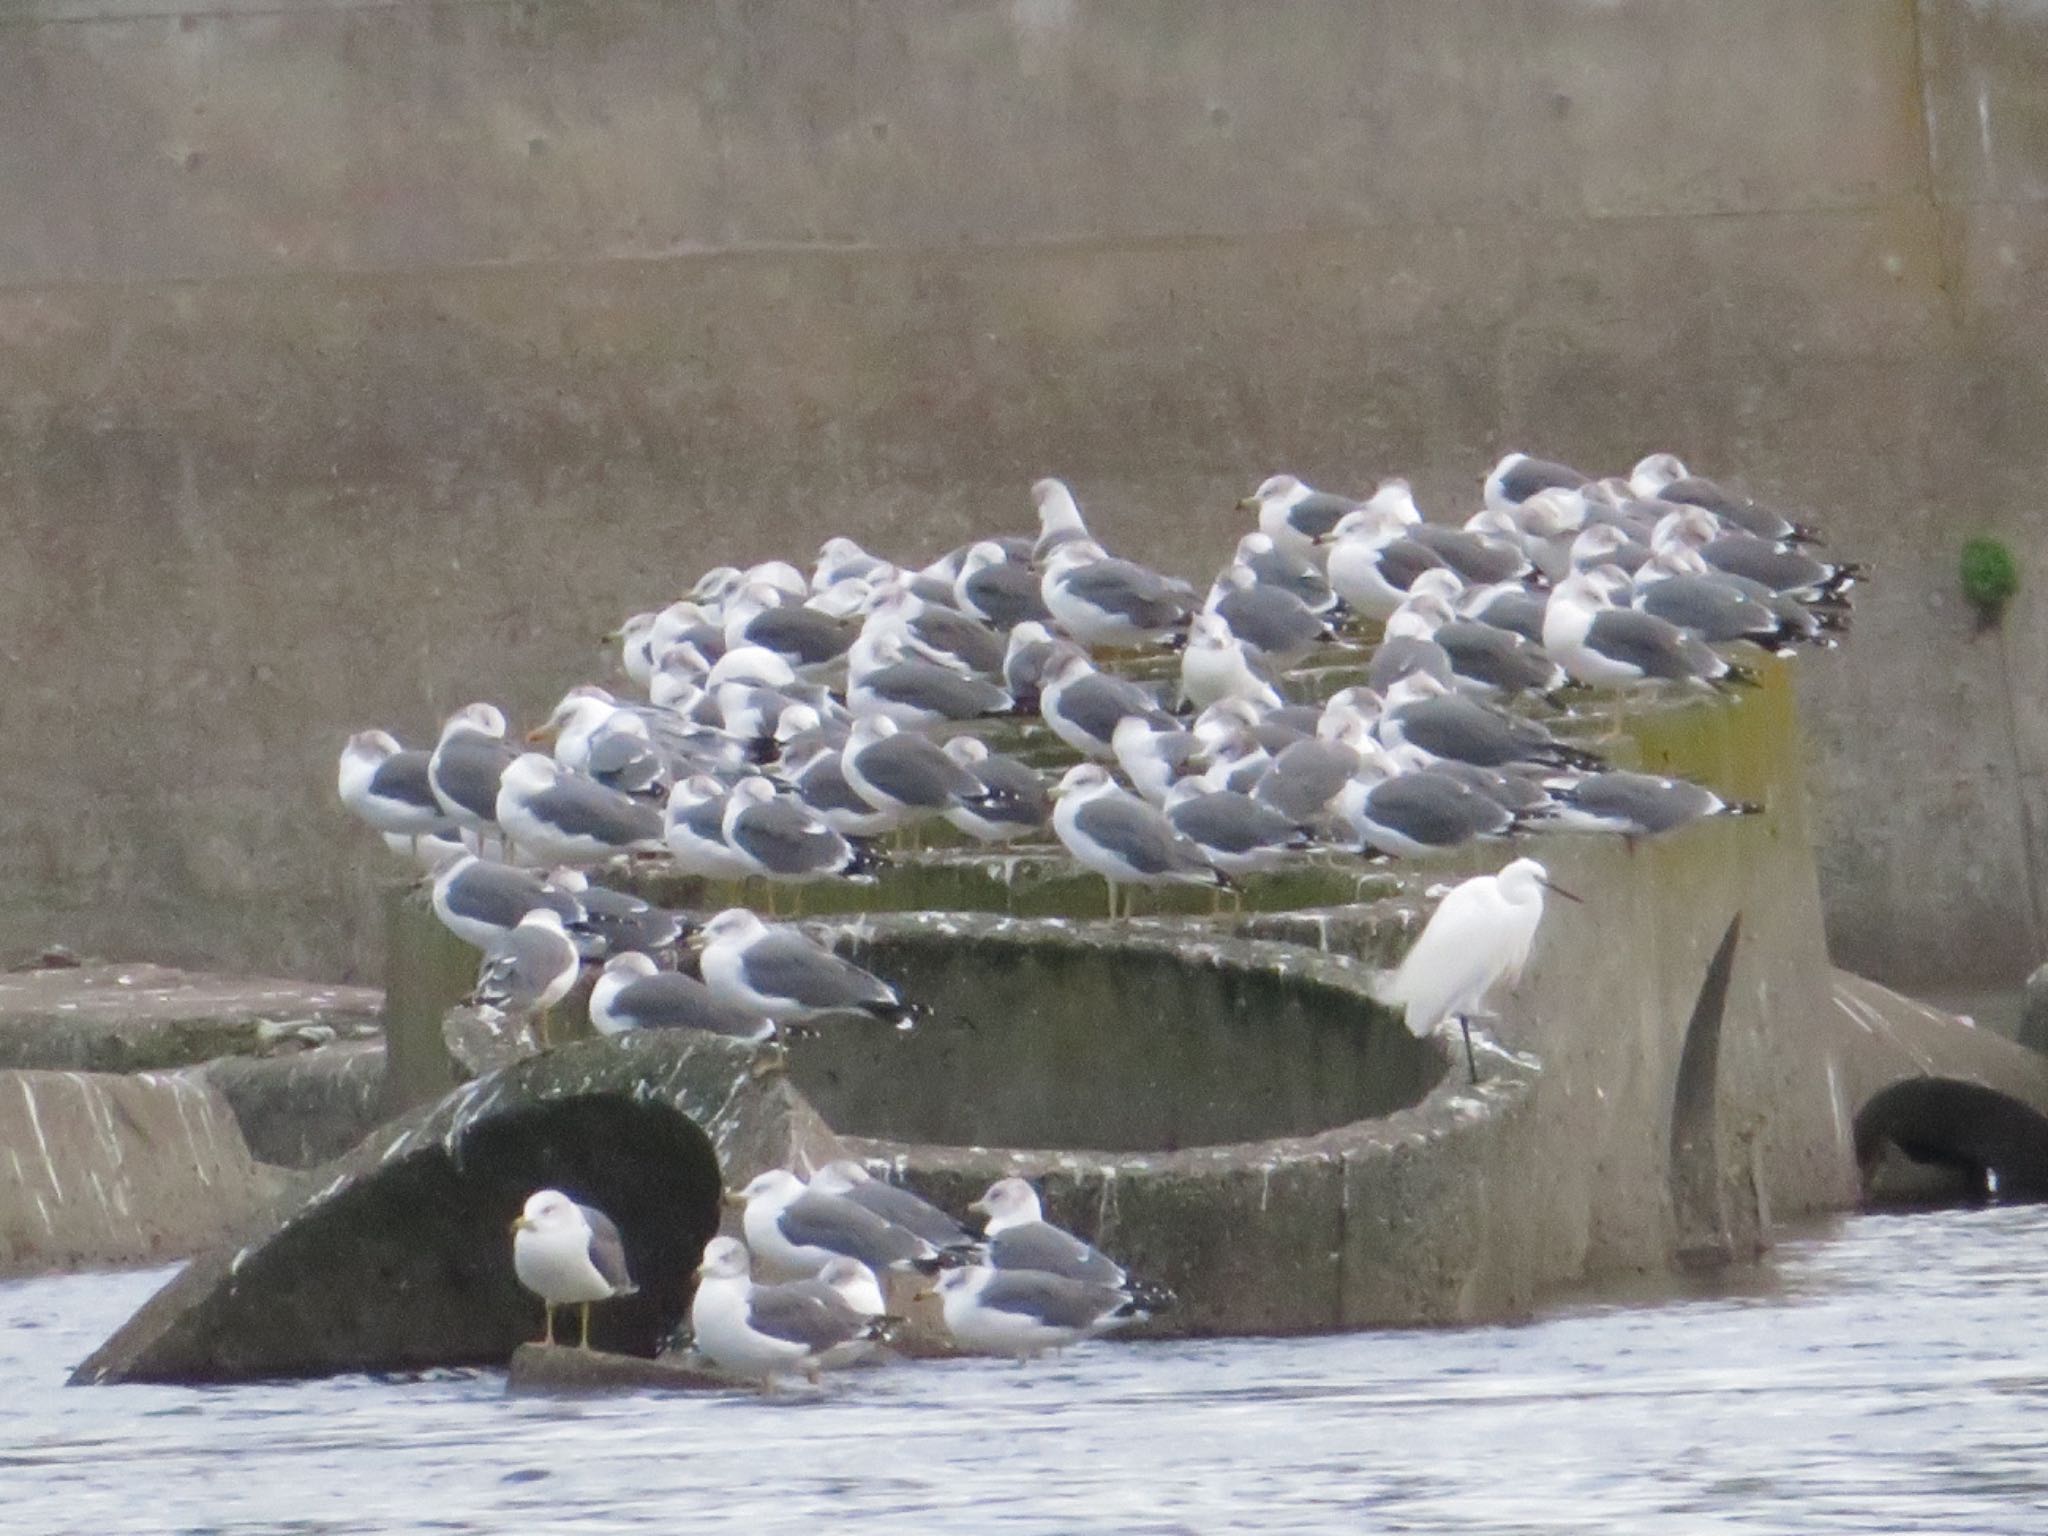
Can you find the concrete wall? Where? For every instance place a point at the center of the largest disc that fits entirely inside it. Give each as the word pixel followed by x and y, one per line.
pixel 362 359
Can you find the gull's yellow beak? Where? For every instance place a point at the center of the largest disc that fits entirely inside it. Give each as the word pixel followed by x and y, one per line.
pixel 542 733
pixel 980 1208
pixel 924 1295
pixel 1247 503
pixel 521 1224
pixel 734 1199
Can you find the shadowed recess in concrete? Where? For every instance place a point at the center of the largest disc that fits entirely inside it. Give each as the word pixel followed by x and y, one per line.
pixel 413 1267
pixel 1035 1036
pixel 1701 1214
pixel 1960 1133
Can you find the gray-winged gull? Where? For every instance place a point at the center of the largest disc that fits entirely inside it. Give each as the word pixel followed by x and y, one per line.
pixel 1295 515
pixel 694 829
pixel 1154 756
pixel 1424 713
pixel 1013 802
pixel 1517 477
pixel 568 1255
pixel 1234 832
pixel 780 839
pixel 387 786
pixel 481 902
pixel 765 1331
pixel 795 1230
pixel 1217 665
pixel 1414 814
pixel 1664 477
pixel 1104 602
pixel 1122 838
pixel 998 590
pixel 913 691
pixel 1024 1313
pixel 1059 518
pixel 817 773
pixel 1602 645
pixel 532 969
pixel 1633 804
pixel 1373 563
pixel 614 923
pixel 850 1181
pixel 1270 620
pixel 779 972
pixel 467 763
pixel 633 993
pixel 558 816
pixel 1083 706
pixel 904 772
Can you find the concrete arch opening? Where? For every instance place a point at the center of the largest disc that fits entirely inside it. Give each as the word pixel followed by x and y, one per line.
pixel 1933 1140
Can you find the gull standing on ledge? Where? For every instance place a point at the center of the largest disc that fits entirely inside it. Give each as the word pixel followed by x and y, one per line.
pixel 1123 839
pixel 780 973
pixel 568 1254
pixel 764 1331
pixel 1479 936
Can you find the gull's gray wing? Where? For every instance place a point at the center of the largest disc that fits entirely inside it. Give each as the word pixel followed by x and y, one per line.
pixel 608 1251
pixel 1055 1300
pixel 839 1226
pixel 789 965
pixel 806 1312
pixel 1040 1247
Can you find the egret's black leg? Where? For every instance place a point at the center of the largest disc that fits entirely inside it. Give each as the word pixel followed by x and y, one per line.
pixel 1471 1061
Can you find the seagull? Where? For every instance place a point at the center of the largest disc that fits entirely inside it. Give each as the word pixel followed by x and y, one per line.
pixel 533 970
pixel 558 816
pixel 1024 660
pixel 764 1331
pixel 1013 802
pixel 1481 658
pixel 913 691
pixel 1602 645
pixel 842 559
pixel 810 640
pixel 1295 516
pixel 633 993
pixel 1473 556
pixel 1517 477
pixel 1412 815
pixel 795 1230
pixel 777 837
pixel 591 732
pixel 1153 756
pixel 1633 804
pixel 610 922
pixel 1016 1235
pixel 1103 602
pixel 1269 620
pixel 1216 665
pixel 1023 1313
pixel 850 1181
pixel 1373 563
pixel 784 975
pixel 467 764
pixel 905 773
pixel 1083 706
pixel 1479 936
pixel 383 784
pixel 998 590
pixel 694 829
pixel 568 1255
pixel 817 773
pixel 1122 838
pixel 1235 833
pixel 1059 518
pixel 1424 713
pixel 1271 566
pixel 481 902
pixel 1664 477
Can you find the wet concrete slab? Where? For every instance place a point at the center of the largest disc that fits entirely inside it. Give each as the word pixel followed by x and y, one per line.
pixel 99 1170
pixel 102 1017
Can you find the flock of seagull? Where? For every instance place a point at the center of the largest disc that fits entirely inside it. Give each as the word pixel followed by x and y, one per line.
pixel 783 726
pixel 1019 1288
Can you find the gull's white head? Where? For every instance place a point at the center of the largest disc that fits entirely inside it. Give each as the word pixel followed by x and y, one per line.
pixel 1084 779
pixel 549 1212
pixel 733 925
pixel 778 1186
pixel 725 1258
pixel 1654 472
pixel 475 719
pixel 1057 509
pixel 1008 1203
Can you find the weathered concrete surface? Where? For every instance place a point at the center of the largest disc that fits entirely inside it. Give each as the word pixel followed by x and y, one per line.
pixel 300 1110
pixel 321 322
pixel 99 1170
pixel 564 1371
pixel 137 1018
pixel 404 1259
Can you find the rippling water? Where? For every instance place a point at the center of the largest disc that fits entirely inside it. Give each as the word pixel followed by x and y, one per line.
pixel 1888 1374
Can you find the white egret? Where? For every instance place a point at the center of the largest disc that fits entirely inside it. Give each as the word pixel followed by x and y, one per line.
pixel 1478 936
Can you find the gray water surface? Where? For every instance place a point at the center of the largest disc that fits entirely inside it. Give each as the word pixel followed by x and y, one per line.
pixel 1889 1374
